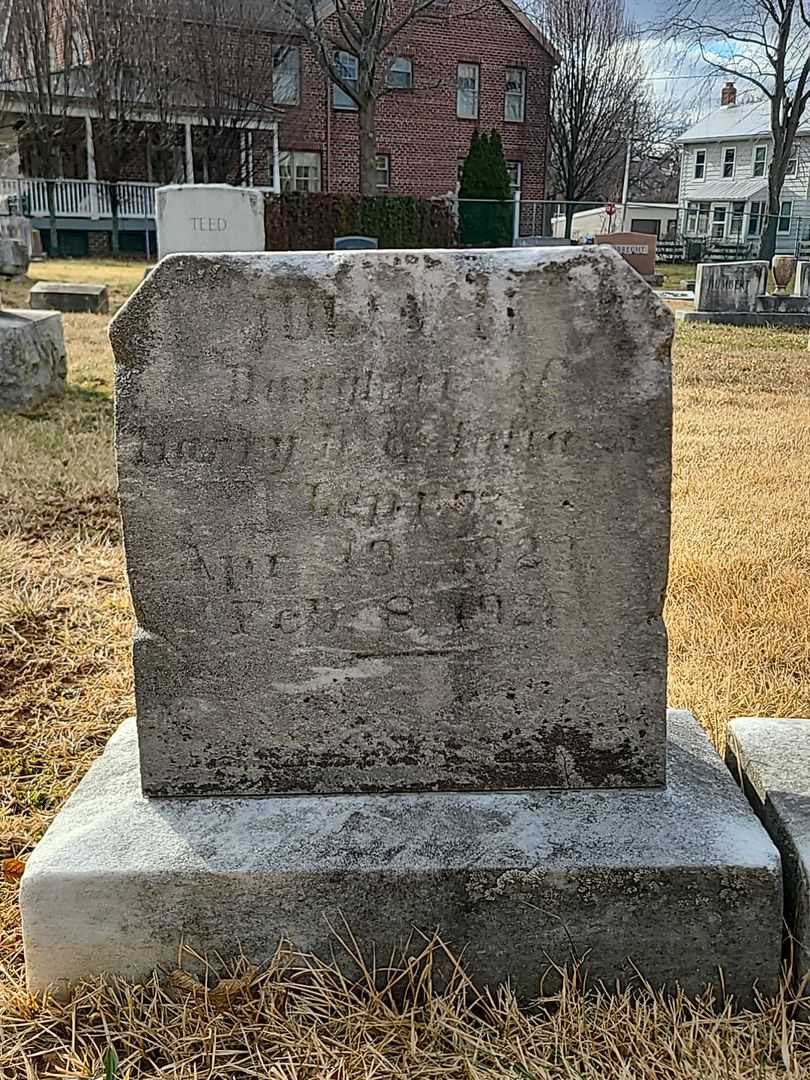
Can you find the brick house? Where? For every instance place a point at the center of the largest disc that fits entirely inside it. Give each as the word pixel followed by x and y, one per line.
pixel 456 66
pixel 487 67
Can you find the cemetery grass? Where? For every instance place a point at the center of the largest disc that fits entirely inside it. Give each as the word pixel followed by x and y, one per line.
pixel 740 645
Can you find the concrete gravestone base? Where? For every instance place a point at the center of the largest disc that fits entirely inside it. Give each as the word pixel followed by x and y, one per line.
pixel 33 361
pixel 681 882
pixel 70 297
pixel 772 759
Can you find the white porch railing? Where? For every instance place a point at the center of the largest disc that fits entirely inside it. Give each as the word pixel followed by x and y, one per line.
pixel 82 198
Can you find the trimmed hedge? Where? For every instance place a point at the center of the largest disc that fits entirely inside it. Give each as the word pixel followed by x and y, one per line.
pixel 298 221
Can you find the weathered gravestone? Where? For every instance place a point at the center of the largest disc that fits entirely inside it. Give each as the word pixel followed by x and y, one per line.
pixel 801 284
pixel 70 296
pixel 388 521
pixel 209 217
pixel 637 249
pixel 728 288
pixel 396 527
pixel 33 360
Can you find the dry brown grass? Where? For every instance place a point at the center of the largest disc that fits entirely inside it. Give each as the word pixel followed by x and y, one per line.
pixel 737 614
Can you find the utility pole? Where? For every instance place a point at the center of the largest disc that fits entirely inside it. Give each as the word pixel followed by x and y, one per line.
pixel 628 156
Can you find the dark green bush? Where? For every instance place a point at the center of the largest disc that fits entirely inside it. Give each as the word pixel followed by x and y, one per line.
pixel 310 222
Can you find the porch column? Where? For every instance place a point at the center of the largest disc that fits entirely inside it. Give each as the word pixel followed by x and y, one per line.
pixel 90 152
pixel 276 163
pixel 189 156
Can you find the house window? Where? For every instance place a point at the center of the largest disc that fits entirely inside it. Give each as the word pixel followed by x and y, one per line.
pixel 793 163
pixel 729 161
pixel 700 165
pixel 300 170
pixel 697 219
pixel 400 74
pixel 760 160
pixel 514 102
pixel 755 218
pixel 382 163
pixel 735 225
pixel 718 222
pixel 346 64
pixel 515 170
pixel 467 82
pixel 784 223
pixel 286 74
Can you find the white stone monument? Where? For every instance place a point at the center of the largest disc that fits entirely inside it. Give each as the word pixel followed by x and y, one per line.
pixel 209 218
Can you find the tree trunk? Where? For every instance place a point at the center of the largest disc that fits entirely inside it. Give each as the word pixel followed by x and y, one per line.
pixel 569 218
pixel 368 148
pixel 767 243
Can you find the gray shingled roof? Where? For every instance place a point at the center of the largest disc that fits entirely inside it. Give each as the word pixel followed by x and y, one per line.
pixel 735 122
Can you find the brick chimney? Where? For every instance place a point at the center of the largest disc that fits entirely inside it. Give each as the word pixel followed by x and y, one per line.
pixel 729 94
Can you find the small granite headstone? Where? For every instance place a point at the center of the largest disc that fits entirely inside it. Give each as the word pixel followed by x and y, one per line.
pixel 637 249
pixel 731 286
pixel 414 517
pixel 355 243
pixel 209 217
pixel 69 296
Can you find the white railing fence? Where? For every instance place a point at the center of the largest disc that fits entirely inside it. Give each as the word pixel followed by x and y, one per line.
pixel 81 198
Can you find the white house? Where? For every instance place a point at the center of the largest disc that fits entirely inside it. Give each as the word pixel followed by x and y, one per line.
pixel 724 178
pixel 658 218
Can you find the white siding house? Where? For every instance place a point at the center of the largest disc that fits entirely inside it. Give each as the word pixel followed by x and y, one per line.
pixel 724 178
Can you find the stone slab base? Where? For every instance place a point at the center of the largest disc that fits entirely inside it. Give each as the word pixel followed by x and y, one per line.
pixel 681 882
pixel 748 318
pixel 33 360
pixel 772 760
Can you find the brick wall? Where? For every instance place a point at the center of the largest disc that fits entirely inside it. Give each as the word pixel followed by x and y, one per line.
pixel 419 128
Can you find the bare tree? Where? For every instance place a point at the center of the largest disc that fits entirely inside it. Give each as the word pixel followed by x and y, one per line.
pixel 37 65
pixel 767 44
pixel 595 93
pixel 226 50
pixel 367 30
pixel 111 84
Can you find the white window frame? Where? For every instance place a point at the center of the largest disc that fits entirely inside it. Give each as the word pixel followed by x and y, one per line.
pixel 290 52
pixel 694 211
pixel 780 219
pixel 291 161
pixel 763 147
pixel 387 169
pixel 400 65
pixel 699 150
pixel 736 217
pixel 722 209
pixel 340 99
pixel 475 91
pixel 517 168
pixel 515 96
pixel 756 217
pixel 723 151
pixel 792 173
